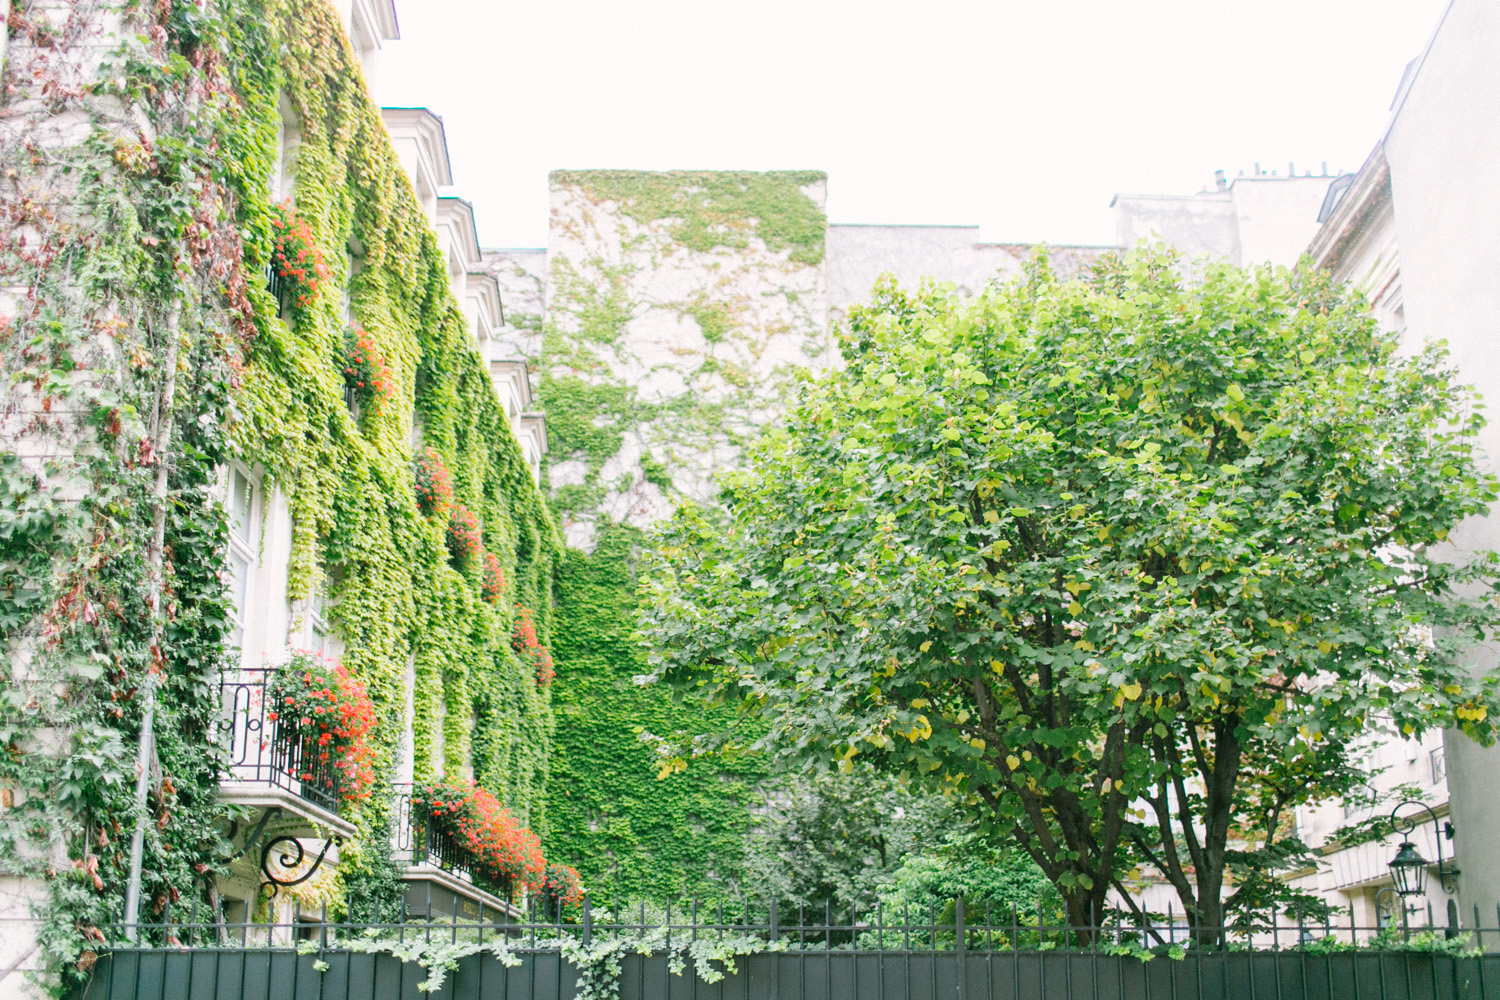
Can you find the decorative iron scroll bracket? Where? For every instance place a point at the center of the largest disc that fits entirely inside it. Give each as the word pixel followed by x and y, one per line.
pixel 288 858
pixel 260 827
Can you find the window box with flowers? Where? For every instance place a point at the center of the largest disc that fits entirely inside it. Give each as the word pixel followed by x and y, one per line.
pixel 532 653
pixel 324 723
pixel 492 587
pixel 502 855
pixel 367 377
pixel 464 538
pixel 433 485
pixel 296 261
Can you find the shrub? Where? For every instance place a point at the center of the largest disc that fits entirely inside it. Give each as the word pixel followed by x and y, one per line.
pixel 295 256
pixel 366 374
pixel 464 539
pixel 328 717
pixel 434 487
pixel 494 579
pixel 505 854
pixel 524 641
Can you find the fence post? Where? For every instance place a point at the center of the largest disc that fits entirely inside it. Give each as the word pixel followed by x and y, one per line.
pixel 588 920
pixel 958 933
pixel 775 961
pixel 1452 931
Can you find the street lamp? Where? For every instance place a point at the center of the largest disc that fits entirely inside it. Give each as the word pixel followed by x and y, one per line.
pixel 1408 867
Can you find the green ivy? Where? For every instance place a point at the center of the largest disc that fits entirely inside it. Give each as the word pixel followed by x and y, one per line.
pixel 717 208
pixel 630 834
pixel 154 251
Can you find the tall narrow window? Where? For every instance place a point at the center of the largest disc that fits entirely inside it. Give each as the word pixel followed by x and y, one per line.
pixel 241 497
pixel 322 640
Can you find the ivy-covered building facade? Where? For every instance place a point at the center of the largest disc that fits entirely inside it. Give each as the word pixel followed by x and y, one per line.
pixel 276 576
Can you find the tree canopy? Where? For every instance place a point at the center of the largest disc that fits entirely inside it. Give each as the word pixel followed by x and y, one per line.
pixel 1128 566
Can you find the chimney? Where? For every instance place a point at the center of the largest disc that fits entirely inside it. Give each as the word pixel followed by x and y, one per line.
pixel 1257 169
pixel 1325 168
pixel 1291 169
pixel 1219 182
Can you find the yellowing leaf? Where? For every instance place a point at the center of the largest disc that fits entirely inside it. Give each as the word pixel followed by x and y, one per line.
pixel 920 703
pixel 977 743
pixel 1453 689
pixel 1308 357
pixel 991 517
pixel 1235 393
pixel 926 646
pixel 1132 691
pixel 1325 647
pixel 1073 587
pixel 1025 754
pixel 1075 608
pixel 1013 761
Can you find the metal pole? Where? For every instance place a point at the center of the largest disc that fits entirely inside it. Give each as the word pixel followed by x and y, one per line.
pixel 155 557
pixel 142 790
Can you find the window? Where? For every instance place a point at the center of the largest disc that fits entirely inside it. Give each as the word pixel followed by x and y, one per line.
pixel 322 640
pixel 1439 761
pixel 241 507
pixel 288 142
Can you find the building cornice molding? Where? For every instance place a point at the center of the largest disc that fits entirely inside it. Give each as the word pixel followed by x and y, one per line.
pixel 1368 193
pixel 458 215
pixel 427 130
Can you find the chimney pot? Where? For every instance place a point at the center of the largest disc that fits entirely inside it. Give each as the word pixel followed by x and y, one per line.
pixel 1325 168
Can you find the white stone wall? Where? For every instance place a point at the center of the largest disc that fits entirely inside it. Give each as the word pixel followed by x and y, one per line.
pixel 698 347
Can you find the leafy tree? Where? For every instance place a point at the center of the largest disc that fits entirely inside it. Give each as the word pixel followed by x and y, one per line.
pixel 830 837
pixel 1128 565
pixel 998 881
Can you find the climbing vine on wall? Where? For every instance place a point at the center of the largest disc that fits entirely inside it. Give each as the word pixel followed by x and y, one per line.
pixel 147 341
pixel 631 835
pixel 646 397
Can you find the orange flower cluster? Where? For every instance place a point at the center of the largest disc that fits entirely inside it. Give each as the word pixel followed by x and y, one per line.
pixel 329 717
pixel 494 579
pixel 524 641
pixel 365 371
pixel 562 885
pixel 295 256
pixel 504 852
pixel 434 487
pixel 464 539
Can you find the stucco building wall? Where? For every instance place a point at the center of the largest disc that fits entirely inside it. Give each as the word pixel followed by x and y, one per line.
pixel 1443 150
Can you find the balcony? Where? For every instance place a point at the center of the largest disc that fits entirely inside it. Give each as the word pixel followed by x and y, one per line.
pixel 440 879
pixel 269 765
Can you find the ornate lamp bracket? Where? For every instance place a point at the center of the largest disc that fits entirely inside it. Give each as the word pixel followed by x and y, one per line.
pixel 1406 868
pixel 289 857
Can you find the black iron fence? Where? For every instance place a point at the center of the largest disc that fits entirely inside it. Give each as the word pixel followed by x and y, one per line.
pixel 266 750
pixel 770 952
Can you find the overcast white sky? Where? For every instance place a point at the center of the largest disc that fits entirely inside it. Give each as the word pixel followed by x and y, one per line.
pixel 1022 117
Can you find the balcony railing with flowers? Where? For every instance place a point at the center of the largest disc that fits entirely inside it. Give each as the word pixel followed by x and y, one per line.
pixel 265 751
pixel 462 829
pixel 418 840
pixel 304 726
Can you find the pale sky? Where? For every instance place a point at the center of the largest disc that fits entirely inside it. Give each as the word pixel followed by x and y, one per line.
pixel 1022 117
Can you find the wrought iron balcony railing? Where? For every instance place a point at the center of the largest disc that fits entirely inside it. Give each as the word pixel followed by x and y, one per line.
pixel 267 749
pixel 418 840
